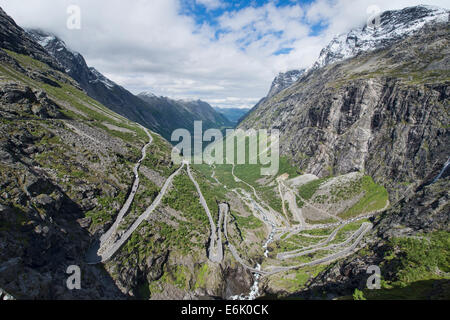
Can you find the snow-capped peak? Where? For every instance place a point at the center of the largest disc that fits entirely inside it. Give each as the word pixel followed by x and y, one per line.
pixel 98 77
pixel 50 42
pixel 147 94
pixel 393 26
pixel 44 41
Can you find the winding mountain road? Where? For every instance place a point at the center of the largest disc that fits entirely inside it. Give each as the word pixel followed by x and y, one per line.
pixel 215 251
pixel 309 203
pixel 289 196
pixel 111 241
pixel 126 207
pixel 270 270
pixel 289 255
pixel 268 214
pixel 213 175
pixel 354 239
pixel 338 255
pixel 322 243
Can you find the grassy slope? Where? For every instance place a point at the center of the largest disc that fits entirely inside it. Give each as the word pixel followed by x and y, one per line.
pixel 75 105
pixel 151 237
pixel 419 268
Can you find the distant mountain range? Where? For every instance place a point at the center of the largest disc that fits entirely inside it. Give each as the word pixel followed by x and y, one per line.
pixel 363 179
pixel 160 114
pixel 233 114
pixel 176 114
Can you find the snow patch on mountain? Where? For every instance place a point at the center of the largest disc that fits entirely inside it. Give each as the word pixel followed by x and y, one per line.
pixel 394 25
pixel 96 76
pixel 284 80
pixel 44 41
pixel 147 94
pixel 50 42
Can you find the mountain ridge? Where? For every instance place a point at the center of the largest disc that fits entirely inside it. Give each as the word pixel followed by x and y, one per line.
pixel 364 39
pixel 383 112
pixel 394 25
pixel 156 113
pixel 363 180
pixel 182 113
pixel 233 114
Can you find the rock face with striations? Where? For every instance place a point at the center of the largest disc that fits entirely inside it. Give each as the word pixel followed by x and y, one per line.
pixel 377 101
pixel 383 112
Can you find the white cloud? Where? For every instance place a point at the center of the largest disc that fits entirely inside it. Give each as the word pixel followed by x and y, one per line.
pixel 211 4
pixel 151 45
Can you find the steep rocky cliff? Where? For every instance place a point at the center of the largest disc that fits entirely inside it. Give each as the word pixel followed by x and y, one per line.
pixel 384 111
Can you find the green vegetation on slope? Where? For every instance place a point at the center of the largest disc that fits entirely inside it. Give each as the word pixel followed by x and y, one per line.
pixel 418 268
pixel 251 173
pixel 307 190
pixel 295 280
pixel 202 276
pixel 375 198
pixel 184 197
pixel 249 222
pixel 158 156
pixel 65 93
pixel 105 210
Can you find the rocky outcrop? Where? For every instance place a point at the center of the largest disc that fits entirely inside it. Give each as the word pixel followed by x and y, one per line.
pixel 284 80
pixel 36 248
pixel 42 212
pixel 22 102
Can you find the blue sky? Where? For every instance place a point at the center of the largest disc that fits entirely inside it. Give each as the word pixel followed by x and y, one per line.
pixel 204 13
pixel 222 51
pixel 209 12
